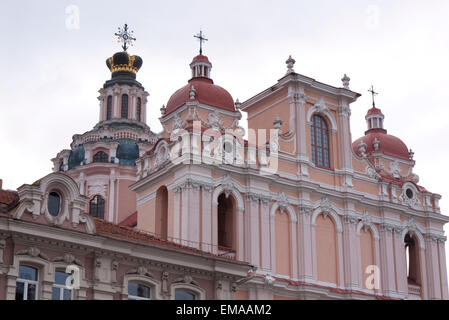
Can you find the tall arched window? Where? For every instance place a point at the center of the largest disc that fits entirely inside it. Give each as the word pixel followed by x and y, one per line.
pixel 412 257
pixel 109 108
pixel 125 106
pixel 139 109
pixel 226 221
pixel 96 207
pixel 162 212
pixel 319 135
pixel 101 157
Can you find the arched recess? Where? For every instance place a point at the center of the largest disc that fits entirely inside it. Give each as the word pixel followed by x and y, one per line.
pixel 369 255
pixel 226 221
pixel 283 225
pixel 414 272
pixel 283 244
pixel 161 214
pixel 326 249
pixel 414 258
pixel 229 190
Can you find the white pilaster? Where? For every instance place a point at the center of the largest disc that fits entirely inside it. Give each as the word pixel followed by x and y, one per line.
pixel 206 217
pixel 305 244
pixel 265 236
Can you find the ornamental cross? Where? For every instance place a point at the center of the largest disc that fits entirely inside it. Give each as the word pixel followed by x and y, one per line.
pixel 373 93
pixel 200 37
pixel 125 36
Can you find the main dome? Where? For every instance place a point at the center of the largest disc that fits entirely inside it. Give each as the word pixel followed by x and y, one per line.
pixel 205 91
pixel 388 145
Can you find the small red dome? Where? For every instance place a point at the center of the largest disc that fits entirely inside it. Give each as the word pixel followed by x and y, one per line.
pixel 200 58
pixel 388 144
pixel 206 92
pixel 374 110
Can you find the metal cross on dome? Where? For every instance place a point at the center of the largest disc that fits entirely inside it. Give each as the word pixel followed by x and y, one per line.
pixel 201 39
pixel 125 36
pixel 373 93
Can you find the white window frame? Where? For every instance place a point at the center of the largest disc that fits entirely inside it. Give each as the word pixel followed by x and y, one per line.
pixel 61 288
pixel 153 284
pixel 200 293
pixel 26 282
pixel 131 297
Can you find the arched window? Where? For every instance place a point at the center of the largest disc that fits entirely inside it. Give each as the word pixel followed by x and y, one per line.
pixel 96 207
pixel 162 212
pixel 109 108
pixel 54 203
pixel 60 291
pixel 412 257
pixel 101 157
pixel 183 294
pixel 139 109
pixel 319 135
pixel 226 235
pixel 138 291
pixel 125 106
pixel 27 283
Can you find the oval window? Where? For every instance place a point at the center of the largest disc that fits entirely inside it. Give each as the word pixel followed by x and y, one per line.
pixel 54 203
pixel 409 193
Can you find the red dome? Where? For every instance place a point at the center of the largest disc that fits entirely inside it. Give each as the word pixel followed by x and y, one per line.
pixel 205 92
pixel 388 144
pixel 200 58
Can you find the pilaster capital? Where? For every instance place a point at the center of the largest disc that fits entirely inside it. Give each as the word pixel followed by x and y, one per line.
pixel 252 197
pixel 305 210
pixel 350 219
pixel 344 111
pixel 386 227
pixel 432 238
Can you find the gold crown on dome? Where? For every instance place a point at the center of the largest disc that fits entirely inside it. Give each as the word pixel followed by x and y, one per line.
pixel 124 62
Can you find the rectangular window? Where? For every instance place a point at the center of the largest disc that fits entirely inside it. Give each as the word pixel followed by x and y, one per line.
pixel 60 291
pixel 26 284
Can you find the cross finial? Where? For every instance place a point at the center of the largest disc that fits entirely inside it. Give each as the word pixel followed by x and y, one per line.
pixel 125 36
pixel 202 39
pixel 373 93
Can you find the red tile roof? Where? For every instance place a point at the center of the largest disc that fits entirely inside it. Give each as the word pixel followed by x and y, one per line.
pixel 130 221
pixel 8 199
pixel 118 232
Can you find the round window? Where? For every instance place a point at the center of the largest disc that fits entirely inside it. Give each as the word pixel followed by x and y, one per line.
pixel 54 203
pixel 409 193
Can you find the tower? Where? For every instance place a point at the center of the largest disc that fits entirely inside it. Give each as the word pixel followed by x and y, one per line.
pixel 103 160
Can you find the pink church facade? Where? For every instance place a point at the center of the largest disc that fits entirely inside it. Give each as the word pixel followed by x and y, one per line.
pixel 290 209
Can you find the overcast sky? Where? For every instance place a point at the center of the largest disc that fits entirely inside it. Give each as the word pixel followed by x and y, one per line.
pixel 52 66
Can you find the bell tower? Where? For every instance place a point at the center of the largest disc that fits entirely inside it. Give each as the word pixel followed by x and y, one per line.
pixel 103 160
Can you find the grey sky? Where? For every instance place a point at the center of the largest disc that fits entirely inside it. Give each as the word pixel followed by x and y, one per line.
pixel 50 75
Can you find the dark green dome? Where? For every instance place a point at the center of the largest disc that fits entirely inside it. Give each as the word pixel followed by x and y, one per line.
pixel 76 157
pixel 127 153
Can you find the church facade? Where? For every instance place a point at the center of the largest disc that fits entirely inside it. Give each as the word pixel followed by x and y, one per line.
pixel 290 209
